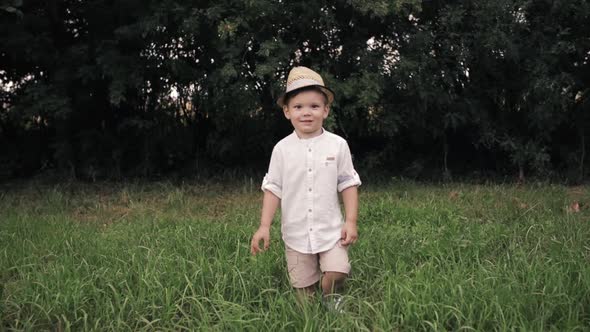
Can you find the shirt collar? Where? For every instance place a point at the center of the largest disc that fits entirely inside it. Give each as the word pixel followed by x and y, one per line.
pixel 310 140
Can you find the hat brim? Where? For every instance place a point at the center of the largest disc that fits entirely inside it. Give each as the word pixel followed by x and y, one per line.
pixel 329 93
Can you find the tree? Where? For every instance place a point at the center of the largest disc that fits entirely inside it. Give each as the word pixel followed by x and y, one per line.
pixel 133 88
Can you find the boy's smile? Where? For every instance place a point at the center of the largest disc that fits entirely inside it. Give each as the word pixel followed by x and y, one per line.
pixel 307 111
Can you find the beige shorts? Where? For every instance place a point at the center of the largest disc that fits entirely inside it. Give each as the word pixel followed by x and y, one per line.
pixel 306 269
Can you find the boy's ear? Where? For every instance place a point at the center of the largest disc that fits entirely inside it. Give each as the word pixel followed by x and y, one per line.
pixel 286 112
pixel 326 111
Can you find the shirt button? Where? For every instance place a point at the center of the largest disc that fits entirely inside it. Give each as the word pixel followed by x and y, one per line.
pixel 311 229
pixel 309 189
pixel 309 170
pixel 309 150
pixel 309 210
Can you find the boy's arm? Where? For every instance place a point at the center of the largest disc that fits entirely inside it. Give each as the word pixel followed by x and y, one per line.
pixel 349 230
pixel 270 203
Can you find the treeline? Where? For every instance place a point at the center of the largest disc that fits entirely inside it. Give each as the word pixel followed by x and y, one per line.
pixel 110 89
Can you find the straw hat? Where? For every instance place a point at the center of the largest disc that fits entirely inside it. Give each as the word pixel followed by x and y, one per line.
pixel 301 77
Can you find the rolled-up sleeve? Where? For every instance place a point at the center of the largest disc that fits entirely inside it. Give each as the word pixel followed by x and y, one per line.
pixel 273 180
pixel 347 176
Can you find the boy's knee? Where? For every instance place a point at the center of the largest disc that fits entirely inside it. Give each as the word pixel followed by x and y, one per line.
pixel 331 281
pixel 335 276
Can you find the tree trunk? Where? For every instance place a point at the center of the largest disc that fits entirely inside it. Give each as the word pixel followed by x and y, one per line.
pixel 583 155
pixel 446 173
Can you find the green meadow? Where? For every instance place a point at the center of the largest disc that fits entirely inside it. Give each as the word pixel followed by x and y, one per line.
pixel 175 257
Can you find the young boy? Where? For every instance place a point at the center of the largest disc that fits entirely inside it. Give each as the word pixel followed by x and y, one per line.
pixel 307 170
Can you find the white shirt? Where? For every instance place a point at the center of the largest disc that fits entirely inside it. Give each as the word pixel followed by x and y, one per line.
pixel 307 174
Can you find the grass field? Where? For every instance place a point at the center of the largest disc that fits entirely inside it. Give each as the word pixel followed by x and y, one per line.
pixel 176 257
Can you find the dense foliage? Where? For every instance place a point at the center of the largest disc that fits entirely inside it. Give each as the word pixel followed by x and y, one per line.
pixel 95 89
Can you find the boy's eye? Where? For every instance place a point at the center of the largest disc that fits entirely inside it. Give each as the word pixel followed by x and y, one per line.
pixel 315 106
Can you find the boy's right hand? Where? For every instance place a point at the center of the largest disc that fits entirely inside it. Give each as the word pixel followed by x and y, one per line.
pixel 263 233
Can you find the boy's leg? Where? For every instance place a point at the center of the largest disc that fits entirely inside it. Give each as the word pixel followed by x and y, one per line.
pixel 306 293
pixel 332 282
pixel 335 266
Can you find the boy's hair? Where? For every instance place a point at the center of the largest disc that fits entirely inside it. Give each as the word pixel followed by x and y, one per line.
pixel 294 93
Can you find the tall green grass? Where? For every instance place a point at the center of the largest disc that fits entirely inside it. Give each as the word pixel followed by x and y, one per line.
pixel 176 257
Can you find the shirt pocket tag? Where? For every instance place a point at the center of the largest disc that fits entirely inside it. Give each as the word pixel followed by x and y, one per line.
pixel 330 160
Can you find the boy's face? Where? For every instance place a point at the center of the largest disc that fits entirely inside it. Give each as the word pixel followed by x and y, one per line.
pixel 307 111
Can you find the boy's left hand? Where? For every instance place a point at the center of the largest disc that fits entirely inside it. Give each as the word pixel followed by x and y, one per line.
pixel 349 234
